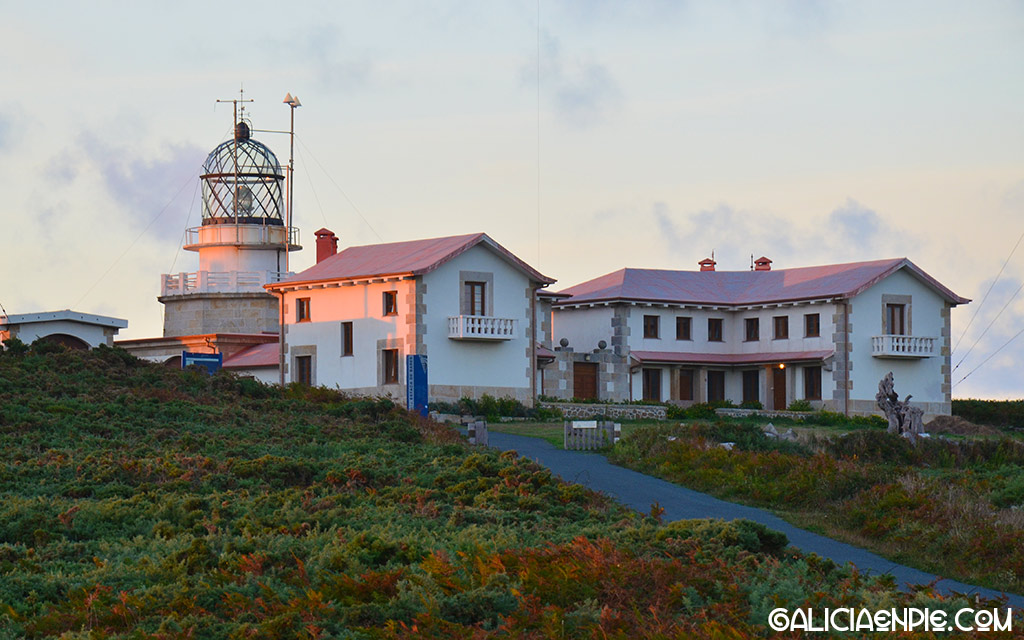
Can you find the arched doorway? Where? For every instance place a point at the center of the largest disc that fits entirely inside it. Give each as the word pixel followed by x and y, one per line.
pixel 65 340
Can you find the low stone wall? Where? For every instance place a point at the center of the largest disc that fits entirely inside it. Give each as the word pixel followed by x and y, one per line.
pixel 582 410
pixel 743 413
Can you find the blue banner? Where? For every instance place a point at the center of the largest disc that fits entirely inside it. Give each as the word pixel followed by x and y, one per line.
pixel 416 384
pixel 212 361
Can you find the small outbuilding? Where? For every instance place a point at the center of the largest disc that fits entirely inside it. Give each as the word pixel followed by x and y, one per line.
pixel 70 328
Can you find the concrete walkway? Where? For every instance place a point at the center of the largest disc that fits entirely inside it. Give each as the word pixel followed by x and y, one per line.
pixel 639 492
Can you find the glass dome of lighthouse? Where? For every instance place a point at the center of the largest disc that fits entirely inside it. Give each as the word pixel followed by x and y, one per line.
pixel 242 183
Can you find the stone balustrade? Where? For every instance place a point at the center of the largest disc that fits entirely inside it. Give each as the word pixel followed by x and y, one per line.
pixel 481 328
pixel 899 346
pixel 179 284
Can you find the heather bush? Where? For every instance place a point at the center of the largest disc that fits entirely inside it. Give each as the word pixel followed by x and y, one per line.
pixel 945 506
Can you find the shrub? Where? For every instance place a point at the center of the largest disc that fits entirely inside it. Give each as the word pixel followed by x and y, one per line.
pixel 997 413
pixel 800 405
pixel 14 347
pixel 750 536
pixel 751 404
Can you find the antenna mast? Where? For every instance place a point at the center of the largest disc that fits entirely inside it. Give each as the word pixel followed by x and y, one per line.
pixel 234 125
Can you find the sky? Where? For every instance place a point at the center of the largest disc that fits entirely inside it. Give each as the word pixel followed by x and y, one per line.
pixel 584 136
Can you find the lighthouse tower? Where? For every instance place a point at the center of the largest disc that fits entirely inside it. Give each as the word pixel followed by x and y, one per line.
pixel 242 245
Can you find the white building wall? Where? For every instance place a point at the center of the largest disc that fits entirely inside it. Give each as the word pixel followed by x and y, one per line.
pixel 921 378
pixel 363 306
pixel 497 364
pixel 666 341
pixel 93 335
pixel 266 375
pixel 797 341
pixel 583 328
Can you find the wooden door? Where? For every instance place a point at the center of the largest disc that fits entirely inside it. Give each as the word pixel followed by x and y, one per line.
pixel 778 388
pixel 652 385
pixel 584 380
pixel 686 384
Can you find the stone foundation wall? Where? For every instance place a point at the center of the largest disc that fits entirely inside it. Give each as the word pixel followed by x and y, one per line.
pixel 453 393
pixel 586 410
pixel 203 313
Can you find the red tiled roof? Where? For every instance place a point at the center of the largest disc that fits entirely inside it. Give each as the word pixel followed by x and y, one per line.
pixel 746 287
pixel 729 358
pixel 260 355
pixel 545 353
pixel 414 257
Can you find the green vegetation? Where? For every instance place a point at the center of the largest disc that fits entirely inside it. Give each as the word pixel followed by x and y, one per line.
pixel 996 413
pixel 494 408
pixel 952 507
pixel 142 502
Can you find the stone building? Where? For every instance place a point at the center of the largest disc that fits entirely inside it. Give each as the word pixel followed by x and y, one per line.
pixel 824 334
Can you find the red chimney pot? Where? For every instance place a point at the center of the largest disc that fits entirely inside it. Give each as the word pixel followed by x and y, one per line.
pixel 707 264
pixel 326 244
pixel 762 264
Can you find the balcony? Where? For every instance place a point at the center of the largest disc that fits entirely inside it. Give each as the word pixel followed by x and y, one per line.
pixel 180 284
pixel 481 328
pixel 260 236
pixel 895 346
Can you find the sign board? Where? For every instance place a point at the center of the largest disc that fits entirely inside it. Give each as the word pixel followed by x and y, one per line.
pixel 416 384
pixel 584 424
pixel 212 361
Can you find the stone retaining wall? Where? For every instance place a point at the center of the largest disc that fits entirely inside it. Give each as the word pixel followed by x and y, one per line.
pixel 583 410
pixel 743 413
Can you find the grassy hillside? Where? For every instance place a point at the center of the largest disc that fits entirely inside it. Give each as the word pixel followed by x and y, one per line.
pixel 141 502
pixel 950 506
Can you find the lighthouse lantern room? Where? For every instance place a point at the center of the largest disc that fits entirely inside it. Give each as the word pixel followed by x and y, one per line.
pixel 242 244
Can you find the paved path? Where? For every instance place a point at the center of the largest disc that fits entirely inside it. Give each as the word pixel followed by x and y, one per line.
pixel 639 491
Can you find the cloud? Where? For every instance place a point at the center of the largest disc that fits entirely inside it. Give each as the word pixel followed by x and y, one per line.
pixel 12 124
pixel 6 132
pixel 154 190
pixel 582 91
pixel 320 49
pixel 732 234
pixel 639 12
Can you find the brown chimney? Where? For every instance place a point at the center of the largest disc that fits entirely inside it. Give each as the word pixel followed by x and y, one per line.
pixel 326 244
pixel 762 264
pixel 707 264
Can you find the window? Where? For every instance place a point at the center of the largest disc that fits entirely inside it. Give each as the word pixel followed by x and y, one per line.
pixel 751 386
pixel 302 310
pixel 895 314
pixel 781 327
pixel 651 326
pixel 390 357
pixel 716 386
pixel 812 383
pixel 683 328
pixel 346 338
pixel 652 385
pixel 812 325
pixel 304 370
pixel 752 326
pixel 475 298
pixel 714 329
pixel 686 384
pixel 391 303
